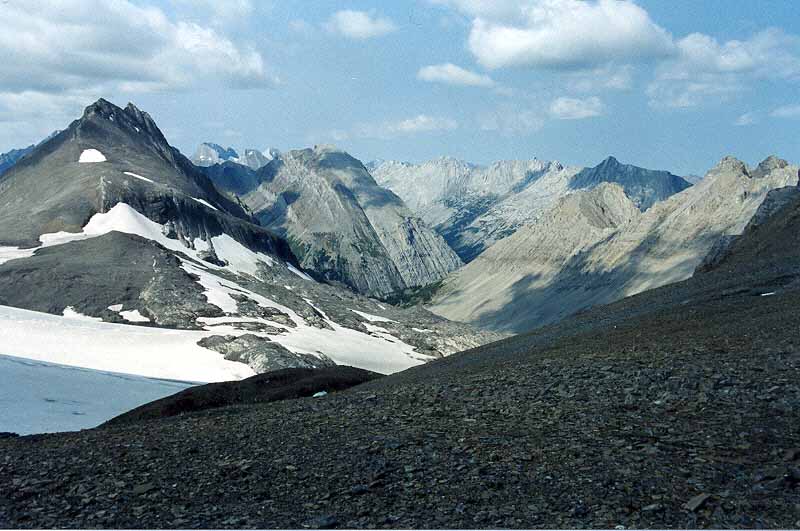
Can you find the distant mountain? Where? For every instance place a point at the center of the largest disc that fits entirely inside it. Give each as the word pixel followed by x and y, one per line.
pixel 643 187
pixel 209 154
pixel 475 206
pixel 342 226
pixel 118 254
pixel 9 159
pixel 12 157
pixel 595 246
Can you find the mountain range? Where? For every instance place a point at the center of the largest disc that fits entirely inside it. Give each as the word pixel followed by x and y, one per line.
pixel 475 206
pixel 673 408
pixel 209 154
pixel 595 246
pixel 139 264
pixel 110 236
pixel 340 224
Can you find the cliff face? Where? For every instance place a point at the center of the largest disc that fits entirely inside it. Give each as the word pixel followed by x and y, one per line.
pixel 342 225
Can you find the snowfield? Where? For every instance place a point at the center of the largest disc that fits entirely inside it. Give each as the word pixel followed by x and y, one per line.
pixel 128 349
pixel 39 397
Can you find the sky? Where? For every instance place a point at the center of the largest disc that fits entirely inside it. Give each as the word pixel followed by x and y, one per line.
pixel 665 85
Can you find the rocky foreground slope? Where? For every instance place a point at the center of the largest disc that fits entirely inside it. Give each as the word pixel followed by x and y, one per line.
pixel 677 407
pixel 595 247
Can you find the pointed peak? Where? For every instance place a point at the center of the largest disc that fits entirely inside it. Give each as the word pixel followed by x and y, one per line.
pixel 610 161
pixel 102 107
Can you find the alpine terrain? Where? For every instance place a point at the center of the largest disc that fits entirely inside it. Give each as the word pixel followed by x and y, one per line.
pixel 595 246
pixel 117 254
pixel 475 206
pixel 341 225
pixel 674 408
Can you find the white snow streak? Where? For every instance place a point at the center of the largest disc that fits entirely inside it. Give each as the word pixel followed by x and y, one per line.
pixel 137 176
pixel 299 273
pixel 206 203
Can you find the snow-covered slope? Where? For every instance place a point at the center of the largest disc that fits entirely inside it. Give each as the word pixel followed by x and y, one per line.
pixel 577 256
pixel 41 397
pixel 233 288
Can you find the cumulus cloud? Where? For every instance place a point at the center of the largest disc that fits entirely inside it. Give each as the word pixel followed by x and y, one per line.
pixel 786 111
pixel 60 56
pixel 561 33
pixel 576 108
pixel 706 69
pixel 79 44
pixel 453 75
pixel 359 24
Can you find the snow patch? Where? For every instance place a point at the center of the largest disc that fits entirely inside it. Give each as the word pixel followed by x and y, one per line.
pixel 115 307
pixel 70 313
pixel 239 258
pixel 14 253
pixel 768 294
pixel 373 318
pixel 91 155
pixel 137 176
pixel 133 316
pixel 123 218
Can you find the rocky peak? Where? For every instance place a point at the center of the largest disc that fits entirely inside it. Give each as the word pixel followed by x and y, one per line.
pixel 731 164
pixel 136 123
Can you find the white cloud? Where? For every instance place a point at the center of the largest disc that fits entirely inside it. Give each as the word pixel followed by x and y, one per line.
pixel 576 108
pixel 748 118
pixel 453 75
pixel 359 24
pixel 421 123
pixel 81 45
pixel 561 33
pixel 786 111
pixel 705 69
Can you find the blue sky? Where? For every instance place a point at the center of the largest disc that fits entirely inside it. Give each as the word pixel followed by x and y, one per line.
pixel 669 85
